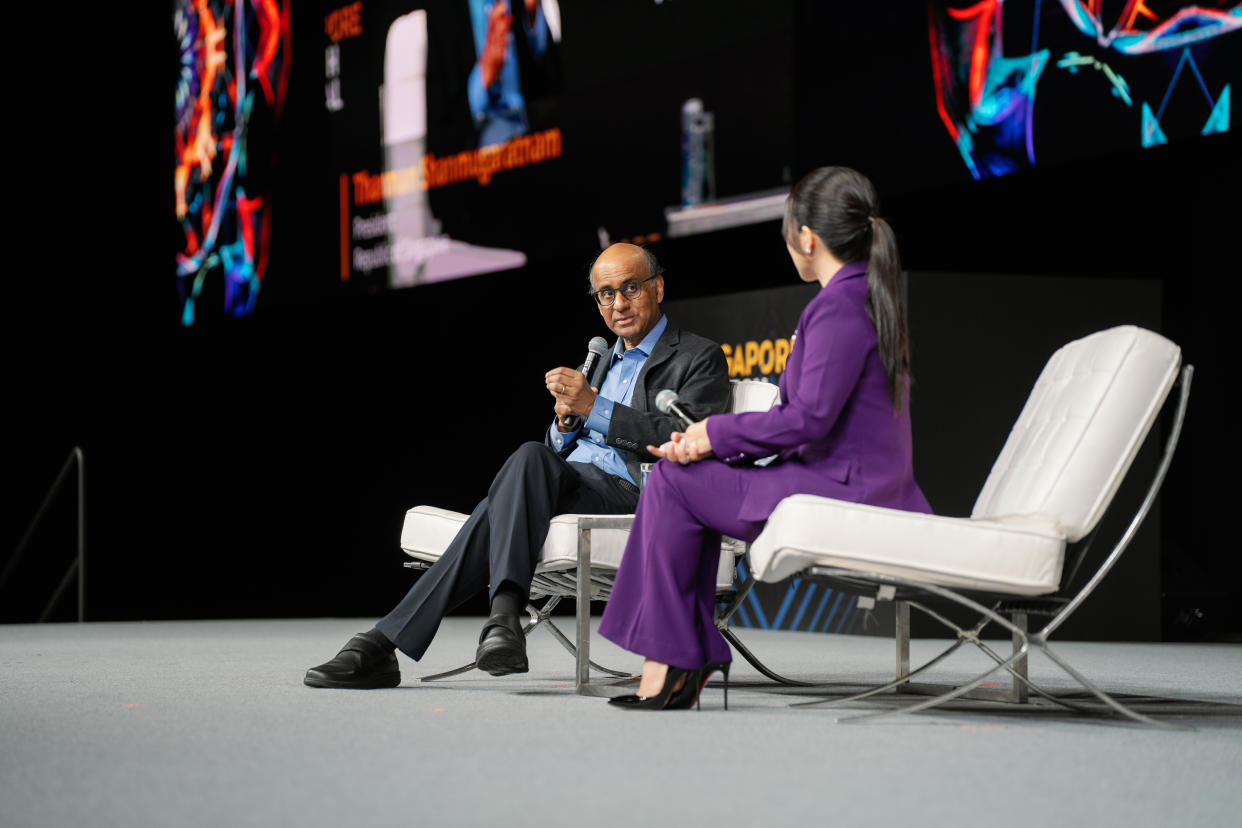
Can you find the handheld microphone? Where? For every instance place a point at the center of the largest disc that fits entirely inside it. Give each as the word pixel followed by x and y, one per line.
pixel 596 348
pixel 666 401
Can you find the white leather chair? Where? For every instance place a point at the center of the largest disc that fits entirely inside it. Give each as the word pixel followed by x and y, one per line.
pixel 575 544
pixel 1073 443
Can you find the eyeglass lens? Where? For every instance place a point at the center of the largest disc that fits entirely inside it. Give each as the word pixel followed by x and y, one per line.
pixel 630 290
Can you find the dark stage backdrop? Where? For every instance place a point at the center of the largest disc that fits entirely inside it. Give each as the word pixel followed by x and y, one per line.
pixel 259 464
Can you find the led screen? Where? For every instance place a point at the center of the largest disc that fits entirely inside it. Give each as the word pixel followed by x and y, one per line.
pixel 1025 83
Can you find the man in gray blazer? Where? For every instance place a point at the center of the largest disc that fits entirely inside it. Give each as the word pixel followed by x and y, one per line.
pixel 588 466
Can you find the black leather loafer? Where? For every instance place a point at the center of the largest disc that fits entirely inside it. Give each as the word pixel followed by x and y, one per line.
pixel 360 665
pixel 502 647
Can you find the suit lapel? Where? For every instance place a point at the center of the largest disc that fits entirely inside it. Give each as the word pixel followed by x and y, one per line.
pixel 664 349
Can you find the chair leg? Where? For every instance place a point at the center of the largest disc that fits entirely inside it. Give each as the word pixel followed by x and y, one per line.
pixel 902 636
pixel 986 614
pixel 892 685
pixel 1021 675
pixel 1027 640
pixel 1021 678
pixel 759 665
pixel 446 674
pixel 1022 683
pixel 1018 670
pixel 1008 664
pixel 569 645
pixel 1039 642
pixel 739 595
pixel 722 624
pixel 538 615
pixel 582 613
pixel 957 692
pixel 1017 693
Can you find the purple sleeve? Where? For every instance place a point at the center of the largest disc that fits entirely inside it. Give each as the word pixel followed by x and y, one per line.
pixel 834 338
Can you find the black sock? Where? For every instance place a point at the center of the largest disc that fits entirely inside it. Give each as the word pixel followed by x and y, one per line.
pixel 379 639
pixel 508 600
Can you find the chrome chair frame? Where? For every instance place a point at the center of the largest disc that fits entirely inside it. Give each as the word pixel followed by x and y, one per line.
pixel 731 605
pixel 903 590
pixel 555 586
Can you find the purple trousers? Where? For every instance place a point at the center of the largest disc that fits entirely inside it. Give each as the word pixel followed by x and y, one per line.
pixel 663 601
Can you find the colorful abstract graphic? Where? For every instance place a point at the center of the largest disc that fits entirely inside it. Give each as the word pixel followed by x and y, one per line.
pixel 986 84
pixel 234 72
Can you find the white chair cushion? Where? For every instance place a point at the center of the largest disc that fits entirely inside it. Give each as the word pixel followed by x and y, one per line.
pixel 1080 429
pixel 752 395
pixel 427 532
pixel 560 550
pixel 807 530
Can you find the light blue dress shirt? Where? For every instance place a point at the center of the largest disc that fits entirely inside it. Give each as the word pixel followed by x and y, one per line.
pixel 618 389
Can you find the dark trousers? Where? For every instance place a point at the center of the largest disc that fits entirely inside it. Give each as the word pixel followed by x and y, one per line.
pixel 501 539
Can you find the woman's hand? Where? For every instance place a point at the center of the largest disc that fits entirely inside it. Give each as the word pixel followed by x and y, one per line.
pixel 689 446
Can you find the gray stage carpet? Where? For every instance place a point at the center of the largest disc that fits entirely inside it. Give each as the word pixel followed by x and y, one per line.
pixel 208 723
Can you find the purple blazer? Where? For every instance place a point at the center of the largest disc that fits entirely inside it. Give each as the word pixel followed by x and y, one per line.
pixel 834 427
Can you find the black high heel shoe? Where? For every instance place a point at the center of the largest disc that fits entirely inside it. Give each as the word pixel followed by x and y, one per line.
pixel 661 700
pixel 690 694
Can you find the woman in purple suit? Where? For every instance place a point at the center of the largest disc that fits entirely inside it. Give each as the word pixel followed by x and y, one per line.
pixel 841 430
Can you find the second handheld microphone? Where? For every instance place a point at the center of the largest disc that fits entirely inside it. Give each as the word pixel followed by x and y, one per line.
pixel 667 402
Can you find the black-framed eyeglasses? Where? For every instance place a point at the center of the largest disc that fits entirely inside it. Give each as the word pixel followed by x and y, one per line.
pixel 630 290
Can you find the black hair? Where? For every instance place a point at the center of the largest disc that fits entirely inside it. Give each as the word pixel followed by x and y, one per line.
pixel 841 206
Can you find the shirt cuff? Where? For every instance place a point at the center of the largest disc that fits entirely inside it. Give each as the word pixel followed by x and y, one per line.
pixel 560 440
pixel 601 415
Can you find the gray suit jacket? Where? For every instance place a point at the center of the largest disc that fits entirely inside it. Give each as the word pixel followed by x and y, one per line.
pixel 687 363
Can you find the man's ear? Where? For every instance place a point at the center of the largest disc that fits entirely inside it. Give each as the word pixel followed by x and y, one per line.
pixel 659 285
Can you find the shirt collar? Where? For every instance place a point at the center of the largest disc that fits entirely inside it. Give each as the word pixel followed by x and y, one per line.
pixel 648 343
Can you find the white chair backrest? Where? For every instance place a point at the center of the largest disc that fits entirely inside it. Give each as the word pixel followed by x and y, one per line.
pixel 1080 429
pixel 752 395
